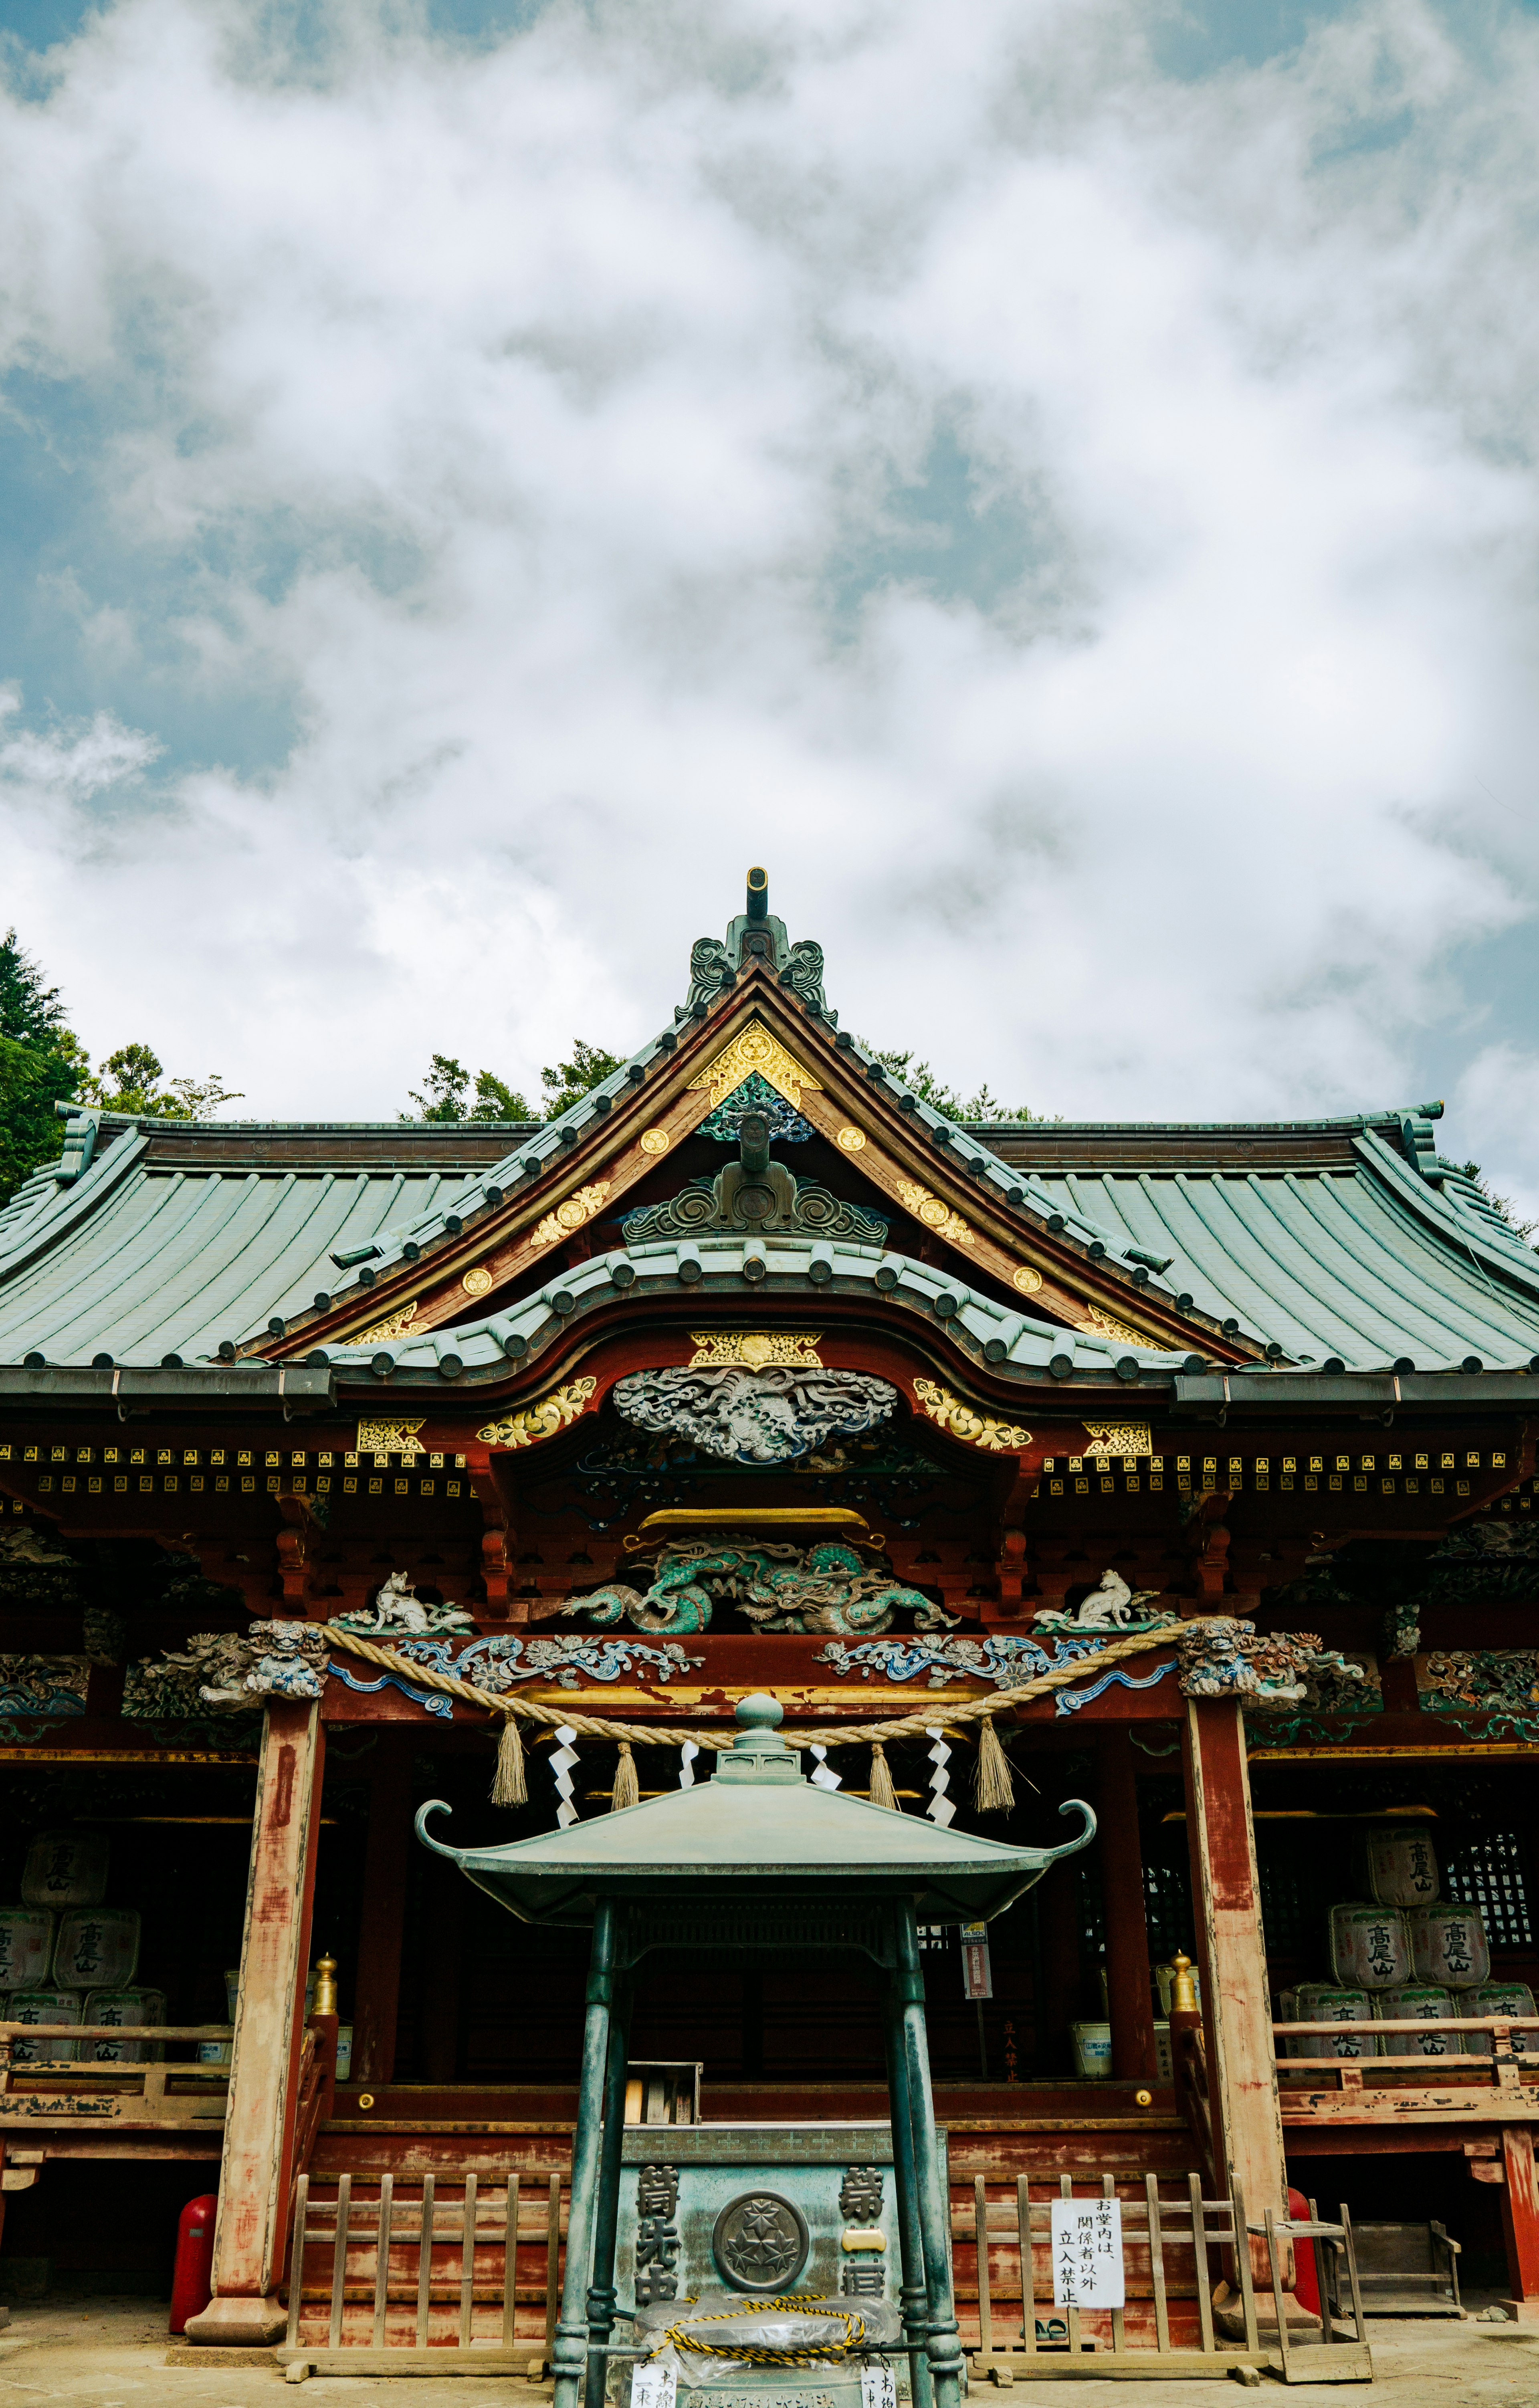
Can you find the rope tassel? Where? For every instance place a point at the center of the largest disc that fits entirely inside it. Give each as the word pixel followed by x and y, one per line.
pixel 993 1790
pixel 509 1783
pixel 882 1791
pixel 627 1789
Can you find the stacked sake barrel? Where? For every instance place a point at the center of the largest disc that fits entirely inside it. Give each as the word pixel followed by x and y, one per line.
pixel 65 1957
pixel 1403 1952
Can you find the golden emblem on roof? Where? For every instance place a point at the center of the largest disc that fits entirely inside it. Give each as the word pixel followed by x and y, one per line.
pixel 756 1348
pixel 570 1214
pixel 934 1212
pixel 755 1049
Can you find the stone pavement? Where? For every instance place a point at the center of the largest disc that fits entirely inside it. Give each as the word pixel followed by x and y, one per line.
pixel 110 2353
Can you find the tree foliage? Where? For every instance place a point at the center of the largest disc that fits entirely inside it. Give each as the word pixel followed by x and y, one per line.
pixel 924 1083
pixel 446 1092
pixel 448 1096
pixel 42 1063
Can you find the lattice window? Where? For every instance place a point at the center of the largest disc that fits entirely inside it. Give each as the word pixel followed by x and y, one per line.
pixel 1488 1872
pixel 1092 1907
pixel 1167 1908
pixel 1292 1923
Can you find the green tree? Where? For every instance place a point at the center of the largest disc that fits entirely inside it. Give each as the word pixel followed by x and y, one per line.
pixel 40 1065
pixel 567 1083
pixel 447 1088
pixel 932 1089
pixel 129 1081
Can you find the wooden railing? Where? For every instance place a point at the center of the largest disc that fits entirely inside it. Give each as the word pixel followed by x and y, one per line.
pixel 1500 2086
pixel 109 2091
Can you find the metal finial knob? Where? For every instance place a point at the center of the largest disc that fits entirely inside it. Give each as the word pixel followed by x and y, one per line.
pixel 758 1719
pixel 758 895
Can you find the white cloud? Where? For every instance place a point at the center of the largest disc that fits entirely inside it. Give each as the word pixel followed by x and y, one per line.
pixel 531 416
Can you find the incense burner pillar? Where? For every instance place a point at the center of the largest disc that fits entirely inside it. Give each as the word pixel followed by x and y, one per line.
pixel 571 2332
pixel 942 2345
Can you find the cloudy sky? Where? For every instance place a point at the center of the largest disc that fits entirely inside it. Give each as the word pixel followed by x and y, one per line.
pixel 1054 480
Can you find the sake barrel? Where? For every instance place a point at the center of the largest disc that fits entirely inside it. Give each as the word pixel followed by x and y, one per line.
pixel 1347 2010
pixel 1370 1948
pixel 1448 1946
pixel 131 2008
pixel 1499 1998
pixel 26 1946
pixel 43 2007
pixel 1400 1865
pixel 98 1947
pixel 66 1868
pixel 1418 1999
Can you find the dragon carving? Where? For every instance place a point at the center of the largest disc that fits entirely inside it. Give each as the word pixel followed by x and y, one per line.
pixel 829 1587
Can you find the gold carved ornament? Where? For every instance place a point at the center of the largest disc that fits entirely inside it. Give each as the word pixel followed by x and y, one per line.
pixel 542 1420
pixel 851 1140
pixel 390 1437
pixel 572 1214
pixel 964 1421
pixel 756 1348
pixel 655 1140
pixel 1118 1437
pixel 478 1280
pixel 755 1049
pixel 933 1212
pixel 1026 1279
pixel 1102 1324
pixel 396 1325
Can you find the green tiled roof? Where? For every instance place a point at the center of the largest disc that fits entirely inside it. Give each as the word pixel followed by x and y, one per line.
pixel 1346 1243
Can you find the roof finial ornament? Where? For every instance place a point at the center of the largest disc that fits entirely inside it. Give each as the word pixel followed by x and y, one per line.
pixel 755 938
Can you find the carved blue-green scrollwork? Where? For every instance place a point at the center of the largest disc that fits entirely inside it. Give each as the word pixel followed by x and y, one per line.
pixel 756 1095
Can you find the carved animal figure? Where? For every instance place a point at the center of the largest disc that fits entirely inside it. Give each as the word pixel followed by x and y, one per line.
pixel 398 1609
pixel 829 1588
pixel 1112 1605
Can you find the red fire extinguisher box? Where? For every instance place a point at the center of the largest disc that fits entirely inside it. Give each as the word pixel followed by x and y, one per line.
pixel 193 2276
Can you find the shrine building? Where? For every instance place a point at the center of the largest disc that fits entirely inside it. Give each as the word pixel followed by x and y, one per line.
pixel 1184 1471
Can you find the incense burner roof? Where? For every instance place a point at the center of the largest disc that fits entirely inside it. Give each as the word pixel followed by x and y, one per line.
pixel 756 1832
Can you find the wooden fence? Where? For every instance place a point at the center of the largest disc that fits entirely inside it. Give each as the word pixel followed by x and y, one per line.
pixel 387 2275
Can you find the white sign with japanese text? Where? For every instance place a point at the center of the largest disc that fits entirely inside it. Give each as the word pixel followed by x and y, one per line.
pixel 654 2386
pixel 1087 2253
pixel 878 2387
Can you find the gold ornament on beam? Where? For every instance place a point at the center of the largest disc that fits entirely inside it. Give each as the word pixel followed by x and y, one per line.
pixel 1118 1437
pixel 655 1140
pixel 391 1437
pixel 542 1420
pixel 396 1325
pixel 572 1214
pixel 851 1140
pixel 756 1348
pixel 966 1422
pixel 478 1280
pixel 1026 1279
pixel 755 1049
pixel 933 1212
pixel 1103 1324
